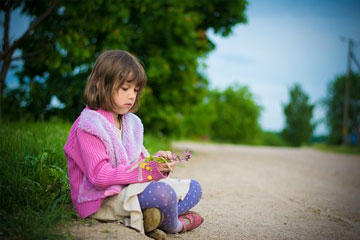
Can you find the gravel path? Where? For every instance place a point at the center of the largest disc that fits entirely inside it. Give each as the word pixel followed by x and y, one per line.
pixel 263 193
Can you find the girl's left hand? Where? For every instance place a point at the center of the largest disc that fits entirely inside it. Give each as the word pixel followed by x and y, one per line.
pixel 166 167
pixel 164 154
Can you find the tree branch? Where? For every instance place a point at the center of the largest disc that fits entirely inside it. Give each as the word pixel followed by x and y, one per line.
pixel 6 6
pixel 32 26
pixel 6 25
pixel 25 56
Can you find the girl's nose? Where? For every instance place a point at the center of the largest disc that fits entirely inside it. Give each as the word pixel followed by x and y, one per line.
pixel 132 94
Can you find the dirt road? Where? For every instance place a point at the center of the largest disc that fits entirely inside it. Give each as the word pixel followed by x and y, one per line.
pixel 263 193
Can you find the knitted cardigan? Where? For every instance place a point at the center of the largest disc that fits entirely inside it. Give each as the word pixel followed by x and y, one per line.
pixel 98 163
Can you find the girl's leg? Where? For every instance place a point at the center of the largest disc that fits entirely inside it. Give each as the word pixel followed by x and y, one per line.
pixel 192 197
pixel 162 196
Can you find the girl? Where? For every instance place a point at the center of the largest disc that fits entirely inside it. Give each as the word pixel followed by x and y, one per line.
pixel 106 141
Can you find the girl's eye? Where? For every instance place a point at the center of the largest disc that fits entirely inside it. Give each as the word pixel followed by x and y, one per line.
pixel 125 89
pixel 136 90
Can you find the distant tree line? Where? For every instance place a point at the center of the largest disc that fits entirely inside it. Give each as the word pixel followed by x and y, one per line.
pixel 298 113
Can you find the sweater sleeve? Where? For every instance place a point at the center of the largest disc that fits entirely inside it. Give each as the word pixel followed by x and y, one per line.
pixel 100 172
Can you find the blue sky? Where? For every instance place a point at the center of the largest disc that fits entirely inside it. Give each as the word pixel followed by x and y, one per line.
pixel 286 42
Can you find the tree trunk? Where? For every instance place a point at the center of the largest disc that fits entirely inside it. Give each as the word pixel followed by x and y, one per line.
pixel 7 51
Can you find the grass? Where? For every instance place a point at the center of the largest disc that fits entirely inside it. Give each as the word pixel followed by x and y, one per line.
pixel 34 186
pixel 337 148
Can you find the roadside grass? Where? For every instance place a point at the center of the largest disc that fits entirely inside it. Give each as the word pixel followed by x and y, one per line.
pixel 34 185
pixel 337 148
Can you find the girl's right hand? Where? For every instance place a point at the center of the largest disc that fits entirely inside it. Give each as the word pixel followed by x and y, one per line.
pixel 165 168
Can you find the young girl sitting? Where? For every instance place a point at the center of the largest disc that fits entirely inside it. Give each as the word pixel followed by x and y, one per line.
pixel 104 145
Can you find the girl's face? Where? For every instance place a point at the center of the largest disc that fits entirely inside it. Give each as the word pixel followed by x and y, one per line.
pixel 125 97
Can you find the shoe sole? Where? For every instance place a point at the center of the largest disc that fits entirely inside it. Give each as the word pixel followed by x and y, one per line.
pixel 152 219
pixel 157 234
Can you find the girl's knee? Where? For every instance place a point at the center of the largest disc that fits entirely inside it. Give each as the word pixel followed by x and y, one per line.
pixel 196 187
pixel 164 193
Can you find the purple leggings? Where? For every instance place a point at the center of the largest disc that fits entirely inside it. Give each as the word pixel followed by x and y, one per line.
pixel 162 196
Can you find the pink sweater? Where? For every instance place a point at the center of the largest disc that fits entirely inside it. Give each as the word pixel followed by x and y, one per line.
pixel 87 156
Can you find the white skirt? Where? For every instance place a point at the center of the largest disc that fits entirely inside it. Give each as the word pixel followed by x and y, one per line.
pixel 125 206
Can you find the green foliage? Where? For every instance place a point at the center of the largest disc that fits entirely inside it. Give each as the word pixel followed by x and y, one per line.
pixel 298 113
pixel 169 37
pixel 35 193
pixel 270 139
pixel 156 143
pixel 334 103
pixel 237 115
pixel 345 149
pixel 198 120
pixel 230 116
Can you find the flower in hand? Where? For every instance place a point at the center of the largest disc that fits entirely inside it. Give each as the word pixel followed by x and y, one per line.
pixel 166 161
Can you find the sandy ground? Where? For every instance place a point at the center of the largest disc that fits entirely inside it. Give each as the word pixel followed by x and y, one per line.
pixel 262 193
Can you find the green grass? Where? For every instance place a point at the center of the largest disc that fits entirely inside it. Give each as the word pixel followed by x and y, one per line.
pixel 34 187
pixel 337 148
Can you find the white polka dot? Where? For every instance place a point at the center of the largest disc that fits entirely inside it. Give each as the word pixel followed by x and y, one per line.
pixel 195 190
pixel 164 210
pixel 185 204
pixel 171 192
pixel 157 206
pixel 142 196
pixel 147 203
pixel 172 210
pixel 158 186
pixel 149 191
pixel 154 199
pixel 162 195
pixel 172 202
pixel 165 204
pixel 192 202
pixel 168 215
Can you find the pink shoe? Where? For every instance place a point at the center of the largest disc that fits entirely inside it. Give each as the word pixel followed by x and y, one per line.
pixel 194 220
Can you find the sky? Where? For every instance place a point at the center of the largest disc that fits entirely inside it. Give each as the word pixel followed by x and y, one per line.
pixel 283 43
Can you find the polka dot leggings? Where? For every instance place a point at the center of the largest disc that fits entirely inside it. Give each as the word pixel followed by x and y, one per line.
pixel 162 196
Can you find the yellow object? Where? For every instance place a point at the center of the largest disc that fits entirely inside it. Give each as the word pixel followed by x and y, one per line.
pixel 143 165
pixel 149 177
pixel 147 168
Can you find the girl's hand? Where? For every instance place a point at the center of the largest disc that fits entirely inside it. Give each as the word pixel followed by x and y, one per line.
pixel 164 154
pixel 166 167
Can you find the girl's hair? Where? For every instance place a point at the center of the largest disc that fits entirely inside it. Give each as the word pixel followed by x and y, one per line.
pixel 112 69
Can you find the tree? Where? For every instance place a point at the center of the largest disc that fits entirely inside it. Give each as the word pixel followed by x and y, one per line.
pixel 8 48
pixel 169 37
pixel 298 113
pixel 237 115
pixel 334 103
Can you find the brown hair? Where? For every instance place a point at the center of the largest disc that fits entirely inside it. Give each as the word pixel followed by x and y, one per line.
pixel 111 70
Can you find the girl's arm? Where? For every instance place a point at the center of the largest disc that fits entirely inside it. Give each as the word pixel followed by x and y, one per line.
pixel 99 171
